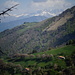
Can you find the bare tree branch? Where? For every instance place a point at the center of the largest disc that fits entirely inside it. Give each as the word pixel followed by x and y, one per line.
pixel 8 9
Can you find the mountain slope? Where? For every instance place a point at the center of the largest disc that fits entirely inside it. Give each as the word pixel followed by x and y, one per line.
pixel 11 24
pixel 51 32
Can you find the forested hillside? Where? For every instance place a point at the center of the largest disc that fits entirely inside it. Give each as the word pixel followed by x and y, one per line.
pixel 12 24
pixel 40 36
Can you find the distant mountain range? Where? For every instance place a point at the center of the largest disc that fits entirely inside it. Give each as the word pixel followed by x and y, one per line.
pixel 11 24
pixel 49 33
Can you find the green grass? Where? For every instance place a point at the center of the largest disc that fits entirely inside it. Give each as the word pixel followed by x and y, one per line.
pixel 27 26
pixel 41 64
pixel 64 51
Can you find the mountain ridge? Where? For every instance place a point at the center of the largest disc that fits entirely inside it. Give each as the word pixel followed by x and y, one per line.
pixel 12 24
pixel 39 36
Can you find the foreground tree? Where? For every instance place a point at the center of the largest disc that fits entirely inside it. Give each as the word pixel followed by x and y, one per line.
pixel 8 9
pixel 5 12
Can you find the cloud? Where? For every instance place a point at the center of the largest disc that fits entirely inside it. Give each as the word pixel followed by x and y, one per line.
pixel 52 3
pixel 15 15
pixel 49 5
pixel 37 7
pixel 39 0
pixel 10 3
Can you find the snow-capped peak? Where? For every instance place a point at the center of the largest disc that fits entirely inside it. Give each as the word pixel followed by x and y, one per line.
pixel 45 13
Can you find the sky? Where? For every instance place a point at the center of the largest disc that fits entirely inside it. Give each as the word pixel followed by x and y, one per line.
pixel 36 7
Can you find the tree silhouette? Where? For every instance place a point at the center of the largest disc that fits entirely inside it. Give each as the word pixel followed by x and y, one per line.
pixel 8 9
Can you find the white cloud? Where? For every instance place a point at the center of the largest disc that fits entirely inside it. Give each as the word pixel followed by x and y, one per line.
pixel 21 15
pixel 10 3
pixel 50 5
pixel 15 15
pixel 37 7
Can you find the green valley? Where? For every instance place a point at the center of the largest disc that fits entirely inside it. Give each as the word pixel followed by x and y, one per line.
pixel 40 48
pixel 43 62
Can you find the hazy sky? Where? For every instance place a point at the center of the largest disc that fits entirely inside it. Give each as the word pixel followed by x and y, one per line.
pixel 36 7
